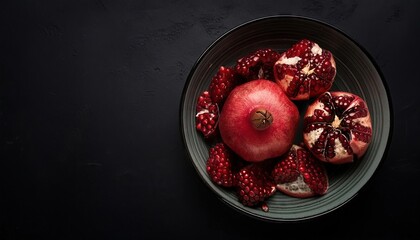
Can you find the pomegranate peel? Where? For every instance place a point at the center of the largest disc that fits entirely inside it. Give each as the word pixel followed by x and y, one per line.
pixel 277 128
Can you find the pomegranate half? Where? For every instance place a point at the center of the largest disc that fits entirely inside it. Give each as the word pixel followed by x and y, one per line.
pixel 258 121
pixel 337 126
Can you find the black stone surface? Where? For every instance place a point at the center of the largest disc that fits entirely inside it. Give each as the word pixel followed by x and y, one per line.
pixel 90 146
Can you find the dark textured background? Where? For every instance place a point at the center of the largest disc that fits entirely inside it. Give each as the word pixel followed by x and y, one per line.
pixel 90 146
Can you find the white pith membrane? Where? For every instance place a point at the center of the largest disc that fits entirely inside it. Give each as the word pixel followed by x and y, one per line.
pixel 307 70
pixel 316 50
pixel 205 111
pixel 338 148
pixel 314 135
pixel 288 61
pixel 298 186
pixel 202 112
pixel 336 123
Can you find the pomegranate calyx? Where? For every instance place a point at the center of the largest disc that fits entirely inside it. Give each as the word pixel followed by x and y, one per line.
pixel 261 119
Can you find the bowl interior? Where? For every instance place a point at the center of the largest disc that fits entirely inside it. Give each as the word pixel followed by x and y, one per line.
pixel 356 73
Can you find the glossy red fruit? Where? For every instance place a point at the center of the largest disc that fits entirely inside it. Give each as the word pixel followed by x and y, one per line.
pixel 207 115
pixel 337 126
pixel 305 70
pixel 255 184
pixel 222 166
pixel 258 64
pixel 221 84
pixel 258 121
pixel 299 174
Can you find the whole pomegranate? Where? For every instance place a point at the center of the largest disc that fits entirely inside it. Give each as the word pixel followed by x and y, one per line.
pixel 337 125
pixel 305 70
pixel 258 121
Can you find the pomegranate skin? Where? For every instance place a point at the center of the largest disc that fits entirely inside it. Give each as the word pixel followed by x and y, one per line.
pixel 238 132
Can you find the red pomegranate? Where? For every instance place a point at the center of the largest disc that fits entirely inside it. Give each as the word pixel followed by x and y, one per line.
pixel 305 70
pixel 337 125
pixel 258 121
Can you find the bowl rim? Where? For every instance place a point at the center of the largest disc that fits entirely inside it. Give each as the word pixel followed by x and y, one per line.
pixel 273 18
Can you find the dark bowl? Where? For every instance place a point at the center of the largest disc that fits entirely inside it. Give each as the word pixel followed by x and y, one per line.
pixel 356 73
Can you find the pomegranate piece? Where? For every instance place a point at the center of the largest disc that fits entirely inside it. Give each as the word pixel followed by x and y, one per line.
pixel 222 83
pixel 255 184
pixel 299 174
pixel 222 166
pixel 258 64
pixel 305 70
pixel 337 126
pixel 258 121
pixel 207 115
